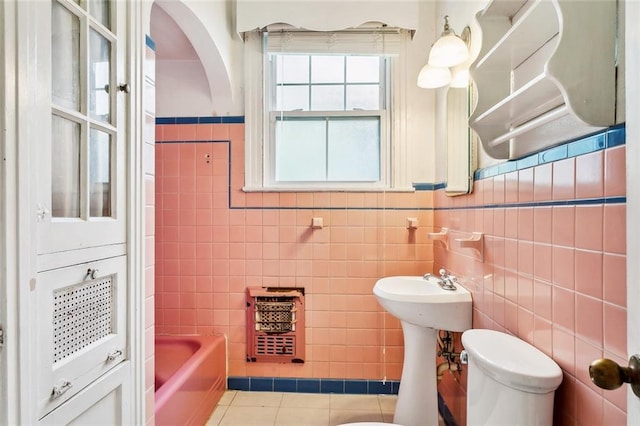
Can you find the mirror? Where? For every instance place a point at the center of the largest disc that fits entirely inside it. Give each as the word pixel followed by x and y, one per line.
pixel 460 150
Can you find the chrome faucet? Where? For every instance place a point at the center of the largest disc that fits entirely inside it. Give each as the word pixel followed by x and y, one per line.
pixel 445 281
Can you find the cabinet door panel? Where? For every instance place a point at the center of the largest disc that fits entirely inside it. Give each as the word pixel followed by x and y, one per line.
pixel 82 164
pixel 104 402
pixel 81 320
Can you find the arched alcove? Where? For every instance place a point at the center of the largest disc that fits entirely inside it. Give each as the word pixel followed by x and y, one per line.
pixel 192 60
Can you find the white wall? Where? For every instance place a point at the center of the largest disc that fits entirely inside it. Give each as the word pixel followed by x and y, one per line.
pixel 205 32
pixel 181 89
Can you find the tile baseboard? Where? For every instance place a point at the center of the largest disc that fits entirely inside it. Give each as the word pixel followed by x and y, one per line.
pixel 283 384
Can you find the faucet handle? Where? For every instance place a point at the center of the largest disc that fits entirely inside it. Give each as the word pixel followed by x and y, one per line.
pixel 443 273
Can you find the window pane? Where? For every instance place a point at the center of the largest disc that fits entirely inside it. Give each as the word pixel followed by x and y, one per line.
pixel 292 68
pixel 99 76
pixel 363 96
pixel 363 69
pixel 327 98
pixel 301 150
pixel 65 58
pixel 100 10
pixel 327 69
pixel 65 168
pixel 354 149
pixel 99 173
pixel 290 98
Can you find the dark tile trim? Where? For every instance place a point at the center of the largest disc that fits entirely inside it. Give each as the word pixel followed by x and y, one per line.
pixel 339 386
pixel 576 202
pixel 150 43
pixel 231 119
pixel 429 186
pixel 608 138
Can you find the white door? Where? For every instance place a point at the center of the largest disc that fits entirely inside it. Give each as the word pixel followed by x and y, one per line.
pixel 632 58
pixel 6 253
pixel 81 167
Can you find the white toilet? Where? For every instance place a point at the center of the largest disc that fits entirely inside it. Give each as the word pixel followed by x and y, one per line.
pixel 509 382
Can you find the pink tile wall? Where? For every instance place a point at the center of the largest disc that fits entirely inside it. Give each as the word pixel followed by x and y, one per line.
pixel 552 275
pixel 213 240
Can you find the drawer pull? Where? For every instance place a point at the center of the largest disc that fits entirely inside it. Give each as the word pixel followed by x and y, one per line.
pixel 113 355
pixel 91 273
pixel 60 389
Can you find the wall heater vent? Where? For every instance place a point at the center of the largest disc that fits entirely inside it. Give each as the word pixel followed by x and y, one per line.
pixel 275 324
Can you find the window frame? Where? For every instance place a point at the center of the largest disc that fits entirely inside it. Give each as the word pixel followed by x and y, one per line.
pixel 383 114
pixel 260 157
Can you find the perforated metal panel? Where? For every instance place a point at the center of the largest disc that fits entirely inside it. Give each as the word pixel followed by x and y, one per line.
pixel 82 315
pixel 275 314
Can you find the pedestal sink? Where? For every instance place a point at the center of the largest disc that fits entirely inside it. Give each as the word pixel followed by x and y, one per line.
pixel 422 307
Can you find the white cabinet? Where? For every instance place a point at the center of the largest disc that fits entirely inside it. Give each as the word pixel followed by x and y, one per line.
pixel 545 73
pixel 81 322
pixel 67 229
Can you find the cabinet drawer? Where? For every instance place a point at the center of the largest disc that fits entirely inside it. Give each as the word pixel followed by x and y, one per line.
pixel 105 402
pixel 81 321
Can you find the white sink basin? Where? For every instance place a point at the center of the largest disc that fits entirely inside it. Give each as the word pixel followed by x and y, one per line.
pixel 424 303
pixel 422 307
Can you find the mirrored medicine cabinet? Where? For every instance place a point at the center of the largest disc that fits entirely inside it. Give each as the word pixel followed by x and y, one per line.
pixel 460 142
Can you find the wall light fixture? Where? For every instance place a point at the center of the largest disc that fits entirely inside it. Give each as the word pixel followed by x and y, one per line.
pixel 447 60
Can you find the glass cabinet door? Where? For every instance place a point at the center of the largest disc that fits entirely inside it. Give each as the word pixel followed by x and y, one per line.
pixel 81 202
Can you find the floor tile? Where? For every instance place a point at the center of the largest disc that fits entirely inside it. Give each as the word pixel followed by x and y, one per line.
pixel 257 399
pixel 355 402
pixel 249 416
pixel 306 400
pixel 227 397
pixel 387 403
pixel 302 416
pixel 217 415
pixel 243 408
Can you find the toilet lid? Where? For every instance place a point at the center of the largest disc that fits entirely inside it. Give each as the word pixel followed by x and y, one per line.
pixel 512 361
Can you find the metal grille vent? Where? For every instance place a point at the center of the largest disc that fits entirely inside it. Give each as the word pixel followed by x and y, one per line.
pixel 82 315
pixel 275 316
pixel 275 344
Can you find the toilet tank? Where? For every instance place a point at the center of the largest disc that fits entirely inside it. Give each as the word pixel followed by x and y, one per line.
pixel 509 381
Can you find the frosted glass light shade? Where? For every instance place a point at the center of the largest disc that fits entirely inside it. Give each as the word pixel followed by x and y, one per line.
pixel 448 51
pixel 460 78
pixel 433 77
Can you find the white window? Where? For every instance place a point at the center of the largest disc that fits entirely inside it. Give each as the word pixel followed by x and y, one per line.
pixel 327 119
pixel 321 114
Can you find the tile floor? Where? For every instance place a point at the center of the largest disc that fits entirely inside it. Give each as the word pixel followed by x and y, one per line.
pixel 284 408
